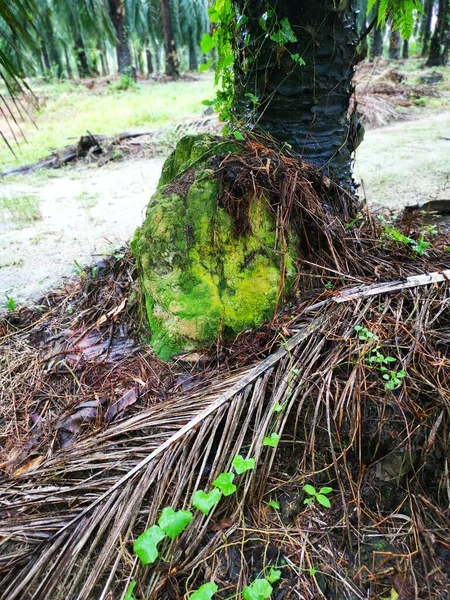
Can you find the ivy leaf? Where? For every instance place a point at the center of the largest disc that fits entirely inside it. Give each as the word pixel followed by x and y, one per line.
pixel 323 500
pixel 298 59
pixel 260 589
pixel 205 502
pixel 146 545
pixel 204 592
pixel 205 66
pixel 274 504
pixel 129 594
pixel 238 135
pixel 225 483
pixel 208 42
pixel 272 440
pixel 284 34
pixel 174 522
pixel 241 465
pixel 274 575
pixel 309 489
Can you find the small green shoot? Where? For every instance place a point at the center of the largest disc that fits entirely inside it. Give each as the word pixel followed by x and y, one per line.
pixel 365 335
pixel 260 589
pixel 205 502
pixel 272 440
pixel 393 379
pixel 10 303
pixel 241 465
pixel 204 592
pixel 238 135
pixel 274 575
pixel 174 522
pixel 278 407
pixel 320 496
pixel 146 545
pixel 225 483
pixel 274 504
pixel 129 593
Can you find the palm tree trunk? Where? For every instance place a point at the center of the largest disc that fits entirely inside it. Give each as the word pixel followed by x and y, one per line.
pixel 306 106
pixel 117 12
pixel 193 60
pixel 395 46
pixel 376 46
pixel 149 59
pixel 405 50
pixel 82 63
pixel 426 27
pixel 436 54
pixel 172 62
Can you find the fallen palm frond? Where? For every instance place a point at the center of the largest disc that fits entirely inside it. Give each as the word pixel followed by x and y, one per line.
pixel 68 526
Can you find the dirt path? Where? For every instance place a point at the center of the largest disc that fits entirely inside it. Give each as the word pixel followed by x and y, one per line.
pixel 83 214
pixel 90 211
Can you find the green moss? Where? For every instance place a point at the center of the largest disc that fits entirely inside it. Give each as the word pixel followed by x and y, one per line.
pixel 200 280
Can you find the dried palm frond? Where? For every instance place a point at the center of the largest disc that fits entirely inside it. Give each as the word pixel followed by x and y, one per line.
pixel 68 526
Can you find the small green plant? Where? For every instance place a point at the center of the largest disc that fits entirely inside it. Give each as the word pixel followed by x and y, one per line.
pixel 329 285
pixel 393 378
pixel 419 246
pixel 21 210
pixel 126 82
pixel 10 303
pixel 320 496
pixel 364 334
pixel 129 593
pixel 77 269
pixel 259 589
pixel 274 504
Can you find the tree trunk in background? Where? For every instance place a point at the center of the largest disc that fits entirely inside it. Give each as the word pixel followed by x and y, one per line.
pixel 305 106
pixel 172 62
pixel 193 60
pixel 68 65
pixel 82 63
pixel 376 46
pixel 438 40
pixel 117 11
pixel 46 59
pixel 426 28
pixel 148 56
pixel 395 45
pixel 405 50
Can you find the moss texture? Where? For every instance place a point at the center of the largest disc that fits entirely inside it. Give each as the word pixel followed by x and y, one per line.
pixel 201 281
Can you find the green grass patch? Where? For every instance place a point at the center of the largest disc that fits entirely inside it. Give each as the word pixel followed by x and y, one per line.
pixel 88 200
pixel 21 210
pixel 68 111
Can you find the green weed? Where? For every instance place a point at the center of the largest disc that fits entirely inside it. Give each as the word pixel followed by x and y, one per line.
pixel 21 210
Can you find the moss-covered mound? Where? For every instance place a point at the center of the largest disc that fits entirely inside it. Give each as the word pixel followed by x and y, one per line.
pixel 200 279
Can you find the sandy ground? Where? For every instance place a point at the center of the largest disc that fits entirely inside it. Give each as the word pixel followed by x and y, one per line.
pixel 91 211
pixel 85 214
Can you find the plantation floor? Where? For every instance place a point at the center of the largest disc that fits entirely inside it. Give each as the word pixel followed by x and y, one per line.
pixel 78 214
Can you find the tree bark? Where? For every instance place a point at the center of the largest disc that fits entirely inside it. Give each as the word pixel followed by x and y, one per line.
pixel 306 106
pixel 117 11
pixel 395 45
pixel 193 60
pixel 172 62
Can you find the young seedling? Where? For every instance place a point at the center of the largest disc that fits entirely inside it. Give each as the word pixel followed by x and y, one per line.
pixel 320 496
pixel 260 589
pixel 365 335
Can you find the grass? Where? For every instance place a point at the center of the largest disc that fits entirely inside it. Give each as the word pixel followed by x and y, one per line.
pixel 21 210
pixel 88 200
pixel 68 111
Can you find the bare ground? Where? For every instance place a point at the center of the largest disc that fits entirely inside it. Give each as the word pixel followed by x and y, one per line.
pixel 90 211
